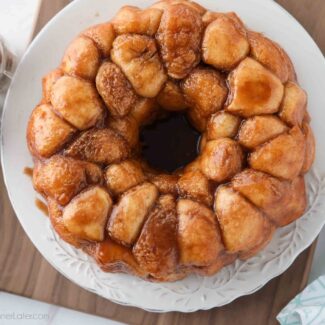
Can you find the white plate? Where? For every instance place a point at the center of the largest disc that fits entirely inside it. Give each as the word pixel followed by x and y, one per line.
pixel 195 292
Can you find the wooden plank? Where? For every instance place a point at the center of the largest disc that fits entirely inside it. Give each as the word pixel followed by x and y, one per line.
pixel 24 271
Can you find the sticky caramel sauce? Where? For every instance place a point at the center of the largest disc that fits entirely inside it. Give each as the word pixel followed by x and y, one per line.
pixel 28 171
pixel 42 206
pixel 254 93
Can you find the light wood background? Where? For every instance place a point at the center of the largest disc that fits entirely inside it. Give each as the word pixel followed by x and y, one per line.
pixel 24 271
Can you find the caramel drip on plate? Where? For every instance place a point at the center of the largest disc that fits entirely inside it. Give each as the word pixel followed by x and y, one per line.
pixel 42 206
pixel 28 171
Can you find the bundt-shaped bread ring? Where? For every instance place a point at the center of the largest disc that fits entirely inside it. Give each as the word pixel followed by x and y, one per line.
pixel 238 89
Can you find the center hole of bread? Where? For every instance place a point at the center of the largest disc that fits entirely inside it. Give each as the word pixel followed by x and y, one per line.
pixel 170 143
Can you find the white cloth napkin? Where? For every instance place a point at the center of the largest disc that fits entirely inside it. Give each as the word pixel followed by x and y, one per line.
pixel 308 308
pixel 16 310
pixel 17 22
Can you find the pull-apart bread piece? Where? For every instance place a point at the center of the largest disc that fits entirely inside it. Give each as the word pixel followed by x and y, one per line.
pixel 115 89
pixel 86 214
pixel 224 43
pixel 132 20
pixel 122 176
pixel 81 58
pixel 281 201
pixel 293 106
pixel 171 97
pixel 130 213
pixel 205 92
pixel 76 101
pixel 179 38
pixel 260 129
pixel 244 228
pixel 103 146
pixel 47 133
pixel 102 35
pixel 236 87
pixel 166 183
pixel 272 56
pixel 164 4
pixel 197 230
pixel 156 249
pixel 254 90
pixel 137 56
pixel 273 158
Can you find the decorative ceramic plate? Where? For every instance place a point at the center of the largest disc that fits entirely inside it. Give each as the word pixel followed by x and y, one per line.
pixel 195 292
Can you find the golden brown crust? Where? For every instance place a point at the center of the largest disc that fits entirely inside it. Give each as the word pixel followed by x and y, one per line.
pixel 197 119
pixel 211 16
pixel 222 125
pixel 47 83
pixel 86 214
pixel 81 58
pixel 244 229
pixel 221 159
pixel 198 234
pixel 205 92
pixel 292 76
pixel 260 129
pixel 223 259
pixel 164 4
pixel 179 37
pixel 224 43
pixel 270 54
pixel 59 178
pixel 196 186
pixel 102 146
pixel 115 89
pixel 94 173
pixel 103 35
pixel 195 165
pixel 261 189
pixel 282 201
pixel 166 183
pixel 129 214
pixel 310 150
pixel 254 90
pixel 55 214
pixel 137 56
pixel 145 111
pixel 273 157
pixel 237 87
pixel 46 132
pixel 121 177
pixel 293 106
pixel 171 97
pixel 132 20
pixel 113 257
pixel 77 101
pixel 156 249
pixel 126 127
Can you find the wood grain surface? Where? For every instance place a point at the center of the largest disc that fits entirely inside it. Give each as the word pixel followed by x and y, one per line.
pixel 24 271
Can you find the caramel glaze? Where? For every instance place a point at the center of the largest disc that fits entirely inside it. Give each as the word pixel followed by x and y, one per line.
pixel 28 171
pixel 42 206
pixel 261 90
pixel 39 204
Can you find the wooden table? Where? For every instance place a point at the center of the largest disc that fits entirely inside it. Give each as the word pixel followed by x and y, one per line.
pixel 24 271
